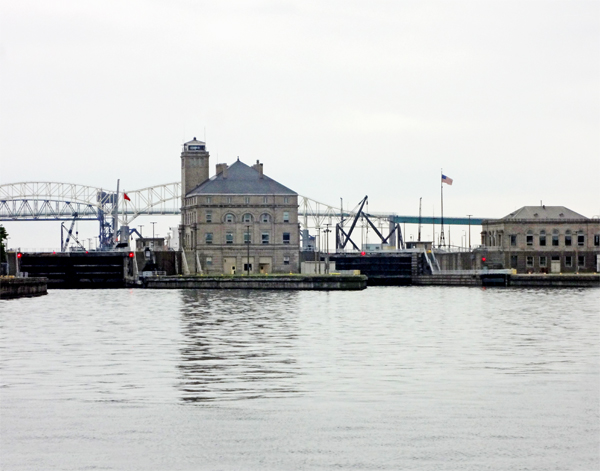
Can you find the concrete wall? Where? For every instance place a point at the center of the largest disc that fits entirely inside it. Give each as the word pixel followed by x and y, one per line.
pixel 22 287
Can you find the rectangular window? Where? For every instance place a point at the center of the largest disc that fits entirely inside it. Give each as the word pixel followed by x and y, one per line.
pixel 229 238
pixel 265 199
pixel 247 268
pixel 286 237
pixel 513 240
pixel 208 238
pixel 209 260
pixel 597 240
pixel 580 240
pixel 529 261
pixel 568 261
pixel 247 200
pixel 286 216
pixel 542 240
pixel 581 261
pixel 543 261
pixel 568 240
pixel 555 240
pixel 286 199
pixel 529 240
pixel 286 260
pixel 229 200
pixel 208 200
pixel 247 237
pixel 208 216
pixel 265 238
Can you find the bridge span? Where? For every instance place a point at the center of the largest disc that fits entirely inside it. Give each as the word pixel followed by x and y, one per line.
pixel 55 201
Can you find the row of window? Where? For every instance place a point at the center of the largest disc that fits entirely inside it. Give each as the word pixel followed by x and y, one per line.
pixel 543 260
pixel 230 200
pixel 286 261
pixel 265 238
pixel 554 239
pixel 247 218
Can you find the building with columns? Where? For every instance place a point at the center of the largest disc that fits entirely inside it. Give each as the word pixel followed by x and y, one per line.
pixel 239 221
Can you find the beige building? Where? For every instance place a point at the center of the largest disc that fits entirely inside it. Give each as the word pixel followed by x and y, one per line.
pixel 542 239
pixel 239 221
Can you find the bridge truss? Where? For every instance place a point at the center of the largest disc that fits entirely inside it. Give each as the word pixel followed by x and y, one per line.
pixel 54 201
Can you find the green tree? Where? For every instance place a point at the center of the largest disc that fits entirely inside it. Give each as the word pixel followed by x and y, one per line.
pixel 3 237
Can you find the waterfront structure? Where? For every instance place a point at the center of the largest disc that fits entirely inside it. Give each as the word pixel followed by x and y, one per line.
pixel 542 239
pixel 239 221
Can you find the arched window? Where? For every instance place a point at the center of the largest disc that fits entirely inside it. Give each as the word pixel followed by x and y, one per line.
pixel 247 217
pixel 265 217
pixel 229 217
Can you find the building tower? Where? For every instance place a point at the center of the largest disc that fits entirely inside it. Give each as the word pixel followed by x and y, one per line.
pixel 194 166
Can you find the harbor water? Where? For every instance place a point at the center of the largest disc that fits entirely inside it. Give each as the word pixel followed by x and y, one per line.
pixel 416 378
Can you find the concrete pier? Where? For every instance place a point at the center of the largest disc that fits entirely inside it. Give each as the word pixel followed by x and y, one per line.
pixel 11 288
pixel 286 282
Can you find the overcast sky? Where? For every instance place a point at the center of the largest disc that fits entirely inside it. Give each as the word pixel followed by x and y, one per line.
pixel 336 98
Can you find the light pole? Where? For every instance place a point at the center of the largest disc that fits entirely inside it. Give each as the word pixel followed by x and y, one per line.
pixel 153 229
pixel 140 226
pixel 248 250
pixel 327 231
pixel 469 215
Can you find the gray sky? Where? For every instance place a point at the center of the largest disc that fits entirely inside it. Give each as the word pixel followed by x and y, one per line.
pixel 336 98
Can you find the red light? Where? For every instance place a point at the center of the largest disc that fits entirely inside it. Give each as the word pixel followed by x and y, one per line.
pixel 19 255
pixel 363 254
pixel 131 254
pixel 483 259
pixel 54 253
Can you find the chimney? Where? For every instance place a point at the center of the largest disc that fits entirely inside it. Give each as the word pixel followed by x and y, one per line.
pixel 222 168
pixel 259 168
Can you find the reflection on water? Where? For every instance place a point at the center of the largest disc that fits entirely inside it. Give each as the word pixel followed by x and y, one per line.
pixel 390 378
pixel 237 344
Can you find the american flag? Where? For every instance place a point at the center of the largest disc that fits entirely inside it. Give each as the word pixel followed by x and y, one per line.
pixel 446 179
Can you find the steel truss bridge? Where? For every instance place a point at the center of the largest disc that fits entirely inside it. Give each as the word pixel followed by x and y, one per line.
pixel 53 201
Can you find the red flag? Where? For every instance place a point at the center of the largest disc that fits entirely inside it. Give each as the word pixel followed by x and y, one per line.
pixel 126 197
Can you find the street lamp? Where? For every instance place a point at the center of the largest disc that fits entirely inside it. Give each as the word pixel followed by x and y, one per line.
pixel 327 231
pixel 153 229
pixel 140 226
pixel 469 215
pixel 248 250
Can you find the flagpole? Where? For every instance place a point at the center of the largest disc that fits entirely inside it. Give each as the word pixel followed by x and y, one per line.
pixel 442 239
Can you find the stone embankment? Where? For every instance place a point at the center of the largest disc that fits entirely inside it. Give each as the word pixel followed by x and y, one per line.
pixel 11 287
pixel 286 282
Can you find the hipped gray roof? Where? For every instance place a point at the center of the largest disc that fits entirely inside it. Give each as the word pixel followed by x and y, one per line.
pixel 544 212
pixel 241 180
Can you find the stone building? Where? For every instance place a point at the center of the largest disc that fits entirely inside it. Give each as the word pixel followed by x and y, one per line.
pixel 239 221
pixel 542 239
